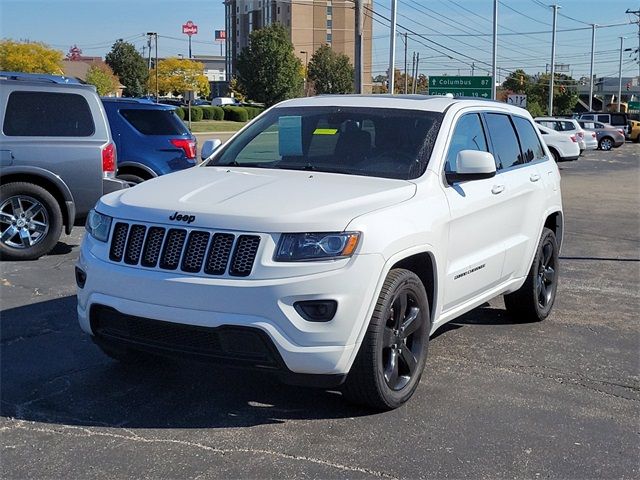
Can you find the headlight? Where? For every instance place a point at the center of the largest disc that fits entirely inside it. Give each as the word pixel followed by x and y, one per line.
pixel 98 225
pixel 295 247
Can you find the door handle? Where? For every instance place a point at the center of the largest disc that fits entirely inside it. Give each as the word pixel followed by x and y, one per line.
pixel 497 189
pixel 534 177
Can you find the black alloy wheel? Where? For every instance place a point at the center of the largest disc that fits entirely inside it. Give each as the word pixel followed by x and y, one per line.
pixel 393 353
pixel 402 345
pixel 534 300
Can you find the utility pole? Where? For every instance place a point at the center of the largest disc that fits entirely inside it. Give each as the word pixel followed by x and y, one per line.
pixel 392 47
pixel 637 13
pixel 415 80
pixel 406 74
pixel 620 73
pixel 413 70
pixel 495 50
pixel 358 47
pixel 155 36
pixel 553 57
pixel 593 48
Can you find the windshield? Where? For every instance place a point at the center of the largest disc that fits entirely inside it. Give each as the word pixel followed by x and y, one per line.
pixel 381 142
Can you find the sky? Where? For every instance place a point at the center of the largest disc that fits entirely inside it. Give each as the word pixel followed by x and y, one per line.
pixel 449 35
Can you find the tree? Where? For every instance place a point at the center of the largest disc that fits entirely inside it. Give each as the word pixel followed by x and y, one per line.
pixel 330 72
pixel 536 88
pixel 129 66
pixel 268 70
pixel 29 57
pixel 102 77
pixel 176 75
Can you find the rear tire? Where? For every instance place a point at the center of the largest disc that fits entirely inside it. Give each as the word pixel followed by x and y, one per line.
pixel 533 301
pixel 30 221
pixel 554 155
pixel 389 364
pixel 130 178
pixel 605 144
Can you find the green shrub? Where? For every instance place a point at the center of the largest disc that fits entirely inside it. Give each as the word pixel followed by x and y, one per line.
pixel 207 113
pixel 196 114
pixel 180 112
pixel 235 114
pixel 218 113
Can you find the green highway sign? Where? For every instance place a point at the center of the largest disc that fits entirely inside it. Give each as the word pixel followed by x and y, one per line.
pixel 635 106
pixel 461 86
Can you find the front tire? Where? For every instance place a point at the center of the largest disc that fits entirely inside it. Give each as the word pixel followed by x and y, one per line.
pixel 389 364
pixel 30 221
pixel 131 179
pixel 534 300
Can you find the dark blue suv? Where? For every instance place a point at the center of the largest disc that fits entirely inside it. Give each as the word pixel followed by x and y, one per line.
pixel 150 139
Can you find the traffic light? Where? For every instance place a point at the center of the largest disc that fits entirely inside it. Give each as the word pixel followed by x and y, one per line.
pixel 628 86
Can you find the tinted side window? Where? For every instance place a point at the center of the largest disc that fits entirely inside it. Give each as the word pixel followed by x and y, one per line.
pixel 618 119
pixel 567 126
pixel 529 142
pixel 155 122
pixel 504 140
pixel 603 118
pixel 587 117
pixel 468 135
pixel 46 114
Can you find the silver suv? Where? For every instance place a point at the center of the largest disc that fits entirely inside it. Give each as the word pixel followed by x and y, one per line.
pixel 57 159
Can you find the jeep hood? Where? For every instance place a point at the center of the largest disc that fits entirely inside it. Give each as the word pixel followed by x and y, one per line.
pixel 256 200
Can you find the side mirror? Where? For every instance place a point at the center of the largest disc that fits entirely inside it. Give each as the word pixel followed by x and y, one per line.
pixel 472 165
pixel 209 147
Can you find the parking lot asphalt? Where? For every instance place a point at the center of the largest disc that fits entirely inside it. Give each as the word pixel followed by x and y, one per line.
pixel 498 399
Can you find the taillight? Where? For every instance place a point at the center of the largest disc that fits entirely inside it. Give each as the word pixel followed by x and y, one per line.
pixel 573 138
pixel 581 134
pixel 109 160
pixel 621 131
pixel 593 134
pixel 188 145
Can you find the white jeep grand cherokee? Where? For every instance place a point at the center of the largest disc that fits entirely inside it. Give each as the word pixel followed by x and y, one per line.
pixel 328 239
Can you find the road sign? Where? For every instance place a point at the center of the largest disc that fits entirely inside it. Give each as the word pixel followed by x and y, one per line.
pixel 517 100
pixel 189 28
pixel 461 86
pixel 634 106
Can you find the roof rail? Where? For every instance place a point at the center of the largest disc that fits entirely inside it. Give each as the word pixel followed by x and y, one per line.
pixel 39 77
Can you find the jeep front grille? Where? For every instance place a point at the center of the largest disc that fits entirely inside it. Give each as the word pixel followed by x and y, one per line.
pixel 192 251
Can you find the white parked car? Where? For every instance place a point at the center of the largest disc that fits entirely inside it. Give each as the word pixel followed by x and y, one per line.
pixel 562 147
pixel 222 101
pixel 328 239
pixel 569 126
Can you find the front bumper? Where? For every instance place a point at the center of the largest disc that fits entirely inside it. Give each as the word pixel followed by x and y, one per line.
pixel 319 348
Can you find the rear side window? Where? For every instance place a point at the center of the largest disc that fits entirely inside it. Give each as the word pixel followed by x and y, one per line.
pixel 567 126
pixel 47 114
pixel 155 122
pixel 618 119
pixel 504 140
pixel 529 142
pixel 468 135
pixel 603 118
pixel 587 117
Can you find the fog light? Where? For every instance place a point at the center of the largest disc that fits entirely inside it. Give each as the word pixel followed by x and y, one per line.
pixel 81 277
pixel 316 310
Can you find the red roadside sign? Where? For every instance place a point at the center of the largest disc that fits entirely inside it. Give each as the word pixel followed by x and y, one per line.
pixel 189 28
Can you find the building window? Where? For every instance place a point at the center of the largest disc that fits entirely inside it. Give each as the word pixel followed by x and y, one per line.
pixel 237 9
pixel 329 23
pixel 329 38
pixel 329 11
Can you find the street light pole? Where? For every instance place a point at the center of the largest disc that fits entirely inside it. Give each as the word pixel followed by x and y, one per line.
pixel 620 73
pixel 553 58
pixel 495 50
pixel 306 73
pixel 392 47
pixel 155 36
pixel 593 47
pixel 358 47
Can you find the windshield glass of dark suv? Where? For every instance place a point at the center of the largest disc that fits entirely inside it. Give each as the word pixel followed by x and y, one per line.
pixel 388 143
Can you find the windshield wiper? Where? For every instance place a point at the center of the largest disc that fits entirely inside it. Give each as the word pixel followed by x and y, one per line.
pixel 314 168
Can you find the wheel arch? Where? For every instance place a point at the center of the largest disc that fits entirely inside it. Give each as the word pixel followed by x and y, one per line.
pixel 50 182
pixel 554 221
pixel 135 168
pixel 424 266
